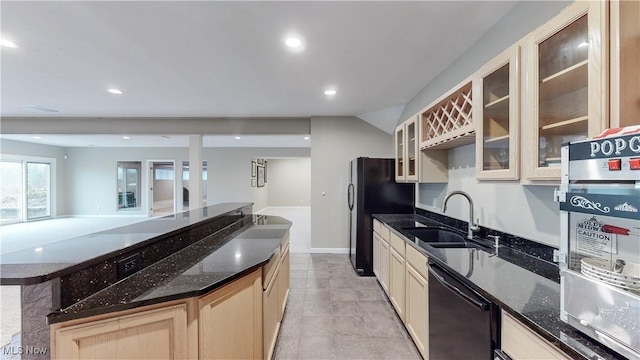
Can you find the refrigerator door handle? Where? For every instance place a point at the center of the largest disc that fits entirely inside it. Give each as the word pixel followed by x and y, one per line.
pixel 350 190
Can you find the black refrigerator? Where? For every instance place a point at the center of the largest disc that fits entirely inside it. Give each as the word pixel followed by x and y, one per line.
pixel 372 189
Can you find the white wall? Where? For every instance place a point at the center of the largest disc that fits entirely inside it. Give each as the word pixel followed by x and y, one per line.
pixel 92 175
pixel 337 141
pixel 59 184
pixel 525 211
pixel 163 190
pixel 289 182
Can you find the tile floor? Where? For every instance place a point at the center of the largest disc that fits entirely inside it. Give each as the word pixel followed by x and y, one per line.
pixel 332 313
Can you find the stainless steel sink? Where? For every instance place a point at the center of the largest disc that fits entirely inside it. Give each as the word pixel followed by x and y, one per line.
pixel 435 234
pixel 438 237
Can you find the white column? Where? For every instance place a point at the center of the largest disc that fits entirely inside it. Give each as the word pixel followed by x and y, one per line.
pixel 195 171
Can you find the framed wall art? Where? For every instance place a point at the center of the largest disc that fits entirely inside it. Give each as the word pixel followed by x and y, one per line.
pixel 260 175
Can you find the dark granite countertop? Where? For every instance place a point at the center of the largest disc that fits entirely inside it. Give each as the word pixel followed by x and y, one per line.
pixel 192 271
pixel 522 285
pixel 56 259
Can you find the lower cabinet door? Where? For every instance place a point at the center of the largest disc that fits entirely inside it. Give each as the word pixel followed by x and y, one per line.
pixel 384 265
pixel 417 310
pixel 283 282
pixel 230 325
pixel 271 314
pixel 152 334
pixel 397 282
pixel 520 342
pixel 376 254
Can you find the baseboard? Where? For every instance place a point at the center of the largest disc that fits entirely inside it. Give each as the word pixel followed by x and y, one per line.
pixel 329 250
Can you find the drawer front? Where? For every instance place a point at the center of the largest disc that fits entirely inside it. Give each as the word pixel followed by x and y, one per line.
pixel 520 342
pixel 377 225
pixel 384 232
pixel 285 243
pixel 417 260
pixel 398 244
pixel 269 268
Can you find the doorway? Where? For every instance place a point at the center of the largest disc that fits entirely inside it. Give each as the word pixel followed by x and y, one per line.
pixel 25 190
pixel 162 194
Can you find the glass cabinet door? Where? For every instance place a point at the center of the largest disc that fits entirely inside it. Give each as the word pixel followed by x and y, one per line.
pixel 412 149
pixel 497 116
pixel 563 95
pixel 570 84
pixel 400 154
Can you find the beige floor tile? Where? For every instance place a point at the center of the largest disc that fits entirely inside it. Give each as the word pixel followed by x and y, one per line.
pixel 346 308
pixel 380 325
pixel 349 325
pixel 354 348
pixel 316 347
pixel 316 326
pixel 286 348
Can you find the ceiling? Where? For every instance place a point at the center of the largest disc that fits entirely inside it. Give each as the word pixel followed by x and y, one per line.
pixel 228 59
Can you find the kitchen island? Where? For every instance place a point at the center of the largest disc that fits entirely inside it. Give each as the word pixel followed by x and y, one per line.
pixel 517 278
pixel 198 264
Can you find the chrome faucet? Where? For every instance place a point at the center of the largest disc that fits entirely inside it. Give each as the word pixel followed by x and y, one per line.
pixel 473 226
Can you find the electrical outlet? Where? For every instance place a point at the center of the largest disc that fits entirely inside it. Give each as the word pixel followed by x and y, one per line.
pixel 128 266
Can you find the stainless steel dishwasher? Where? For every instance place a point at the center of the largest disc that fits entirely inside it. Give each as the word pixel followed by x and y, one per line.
pixel 462 323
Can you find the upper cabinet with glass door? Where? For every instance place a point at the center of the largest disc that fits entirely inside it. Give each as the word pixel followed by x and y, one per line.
pixel 400 154
pixel 567 83
pixel 407 150
pixel 497 117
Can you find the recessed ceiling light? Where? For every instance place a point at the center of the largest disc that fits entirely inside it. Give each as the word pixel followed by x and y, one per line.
pixel 238 138
pixel 38 249
pixel 8 43
pixel 37 137
pixel 330 92
pixel 306 138
pixel 293 42
pixel 115 91
pixel 126 137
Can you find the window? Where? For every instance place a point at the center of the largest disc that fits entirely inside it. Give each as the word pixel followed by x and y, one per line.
pixel 38 190
pixel 25 189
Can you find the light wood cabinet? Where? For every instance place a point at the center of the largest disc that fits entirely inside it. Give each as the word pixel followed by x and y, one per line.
pixel 521 343
pixel 397 275
pixel 568 84
pixel 417 301
pixel 385 253
pixel 381 254
pixel 230 325
pixel 377 251
pixel 224 324
pixel 284 281
pixel 413 165
pixel 152 334
pixel 625 72
pixel 407 150
pixel 448 121
pixel 271 314
pixel 401 161
pixel 274 302
pixel 497 117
